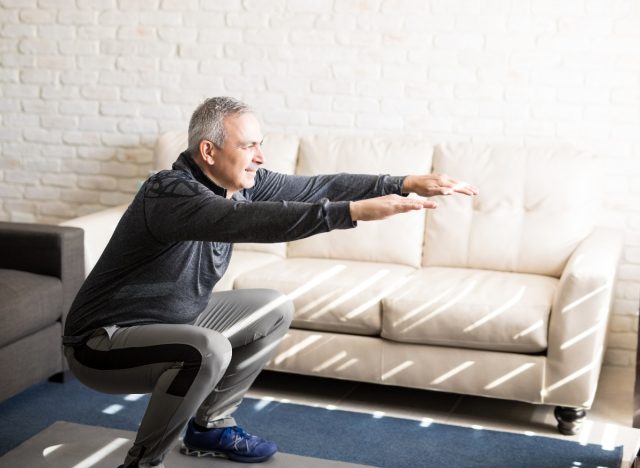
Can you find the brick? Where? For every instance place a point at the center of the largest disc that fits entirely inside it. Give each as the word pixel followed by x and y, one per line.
pixel 57 92
pixel 160 18
pixel 18 3
pixel 135 155
pixel 37 46
pixel 246 19
pixel 118 108
pixel 36 17
pixel 20 121
pixel 20 91
pixel 145 95
pixel 333 87
pixel 19 177
pixel 81 138
pixel 321 38
pixel 79 107
pixel 286 117
pixel 279 84
pixel 358 38
pixel 511 42
pixel 379 121
pixel 138 125
pixel 479 127
pixel 117 18
pixel 458 41
pixel 39 135
pixel 56 32
pixel 79 77
pixel 60 180
pixel 620 358
pixel 81 167
pixel 138 5
pixel 621 323
pixel 77 18
pixel 41 193
pixel 99 123
pixel 56 208
pixel 119 140
pixel 37 106
pixel 17 30
pixel 78 47
pixel 11 191
pixel 215 21
pixel 55 62
pixel 77 196
pixel 97 32
pixel 37 76
pixel 114 198
pixel 532 24
pixel 97 182
pixel 452 74
pixel 264 37
pixel 179 5
pixel 95 153
pixel 222 5
pixel 331 119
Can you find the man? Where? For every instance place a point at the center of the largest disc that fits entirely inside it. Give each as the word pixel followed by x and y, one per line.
pixel 145 320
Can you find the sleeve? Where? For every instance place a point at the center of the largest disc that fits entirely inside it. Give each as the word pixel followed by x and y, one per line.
pixel 337 187
pixel 179 209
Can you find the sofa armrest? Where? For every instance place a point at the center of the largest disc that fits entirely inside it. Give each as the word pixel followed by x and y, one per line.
pixel 98 228
pixel 46 250
pixel 579 319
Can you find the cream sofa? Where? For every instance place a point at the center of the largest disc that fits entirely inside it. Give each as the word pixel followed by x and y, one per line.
pixel 505 295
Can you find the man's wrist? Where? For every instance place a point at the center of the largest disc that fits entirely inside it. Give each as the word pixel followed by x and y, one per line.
pixel 407 184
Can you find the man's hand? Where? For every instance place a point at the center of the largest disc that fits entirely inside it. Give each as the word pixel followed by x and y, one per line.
pixel 388 205
pixel 436 184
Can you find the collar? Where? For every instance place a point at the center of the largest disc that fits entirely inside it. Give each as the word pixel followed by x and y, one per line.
pixel 186 163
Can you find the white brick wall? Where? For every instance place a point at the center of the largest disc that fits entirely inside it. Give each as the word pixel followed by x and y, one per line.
pixel 86 85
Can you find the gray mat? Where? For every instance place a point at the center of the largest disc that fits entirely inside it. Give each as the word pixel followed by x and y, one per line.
pixel 67 445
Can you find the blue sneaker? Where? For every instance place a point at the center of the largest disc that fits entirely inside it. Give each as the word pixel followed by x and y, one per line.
pixel 229 442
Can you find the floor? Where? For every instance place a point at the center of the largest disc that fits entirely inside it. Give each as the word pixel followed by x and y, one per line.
pixel 608 422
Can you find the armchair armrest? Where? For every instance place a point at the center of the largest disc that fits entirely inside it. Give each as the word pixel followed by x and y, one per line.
pixel 98 228
pixel 579 320
pixel 46 250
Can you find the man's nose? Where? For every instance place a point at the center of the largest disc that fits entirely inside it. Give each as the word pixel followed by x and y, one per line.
pixel 258 155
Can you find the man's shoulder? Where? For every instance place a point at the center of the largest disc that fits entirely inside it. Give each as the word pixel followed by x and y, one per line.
pixel 173 183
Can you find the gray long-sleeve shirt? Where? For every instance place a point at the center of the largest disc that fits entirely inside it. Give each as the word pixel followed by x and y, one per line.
pixel 173 243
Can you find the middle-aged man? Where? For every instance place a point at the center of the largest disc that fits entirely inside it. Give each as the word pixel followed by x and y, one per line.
pixel 145 320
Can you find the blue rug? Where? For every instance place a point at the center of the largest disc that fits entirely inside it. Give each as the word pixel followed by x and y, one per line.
pixel 314 432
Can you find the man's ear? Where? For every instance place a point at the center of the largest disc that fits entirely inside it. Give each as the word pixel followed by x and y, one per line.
pixel 207 152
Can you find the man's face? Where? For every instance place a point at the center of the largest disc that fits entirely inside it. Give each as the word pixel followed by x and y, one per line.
pixel 235 164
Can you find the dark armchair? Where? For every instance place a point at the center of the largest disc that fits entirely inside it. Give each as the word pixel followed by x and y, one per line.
pixel 41 269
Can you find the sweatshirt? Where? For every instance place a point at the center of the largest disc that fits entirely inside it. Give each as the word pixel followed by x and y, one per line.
pixel 174 241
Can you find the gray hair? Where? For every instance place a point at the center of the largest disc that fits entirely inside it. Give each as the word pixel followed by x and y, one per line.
pixel 207 121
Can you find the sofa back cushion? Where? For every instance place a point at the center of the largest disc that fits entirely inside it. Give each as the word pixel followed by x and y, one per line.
pixel 280 151
pixel 395 240
pixel 535 205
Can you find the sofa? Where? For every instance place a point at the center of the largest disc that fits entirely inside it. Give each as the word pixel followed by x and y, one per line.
pixel 41 269
pixel 504 295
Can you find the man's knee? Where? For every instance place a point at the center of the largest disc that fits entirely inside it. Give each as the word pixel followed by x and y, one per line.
pixel 215 350
pixel 283 306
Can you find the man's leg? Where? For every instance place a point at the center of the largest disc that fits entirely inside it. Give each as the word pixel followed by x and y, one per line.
pixel 178 364
pixel 254 321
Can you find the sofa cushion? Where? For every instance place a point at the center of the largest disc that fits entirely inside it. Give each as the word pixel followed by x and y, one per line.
pixel 535 205
pixel 341 296
pixel 242 261
pixel 28 303
pixel 394 240
pixel 468 308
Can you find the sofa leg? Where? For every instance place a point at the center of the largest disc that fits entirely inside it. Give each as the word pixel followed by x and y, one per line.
pixel 569 419
pixel 57 378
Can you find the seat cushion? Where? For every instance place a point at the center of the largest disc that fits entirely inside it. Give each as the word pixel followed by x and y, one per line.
pixel 329 295
pixel 242 261
pixel 468 308
pixel 28 303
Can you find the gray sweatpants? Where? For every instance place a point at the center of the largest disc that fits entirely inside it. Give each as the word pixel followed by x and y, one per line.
pixel 202 369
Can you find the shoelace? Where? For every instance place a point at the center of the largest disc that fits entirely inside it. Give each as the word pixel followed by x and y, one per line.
pixel 239 435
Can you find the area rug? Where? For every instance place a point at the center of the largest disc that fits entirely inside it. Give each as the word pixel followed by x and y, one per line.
pixel 312 432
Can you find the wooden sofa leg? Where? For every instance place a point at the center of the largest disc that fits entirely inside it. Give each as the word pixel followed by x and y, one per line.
pixel 57 378
pixel 569 419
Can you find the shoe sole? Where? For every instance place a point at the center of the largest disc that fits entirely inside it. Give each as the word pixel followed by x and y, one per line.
pixel 209 453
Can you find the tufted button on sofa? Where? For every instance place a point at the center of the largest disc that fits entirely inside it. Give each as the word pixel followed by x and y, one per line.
pixel 504 295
